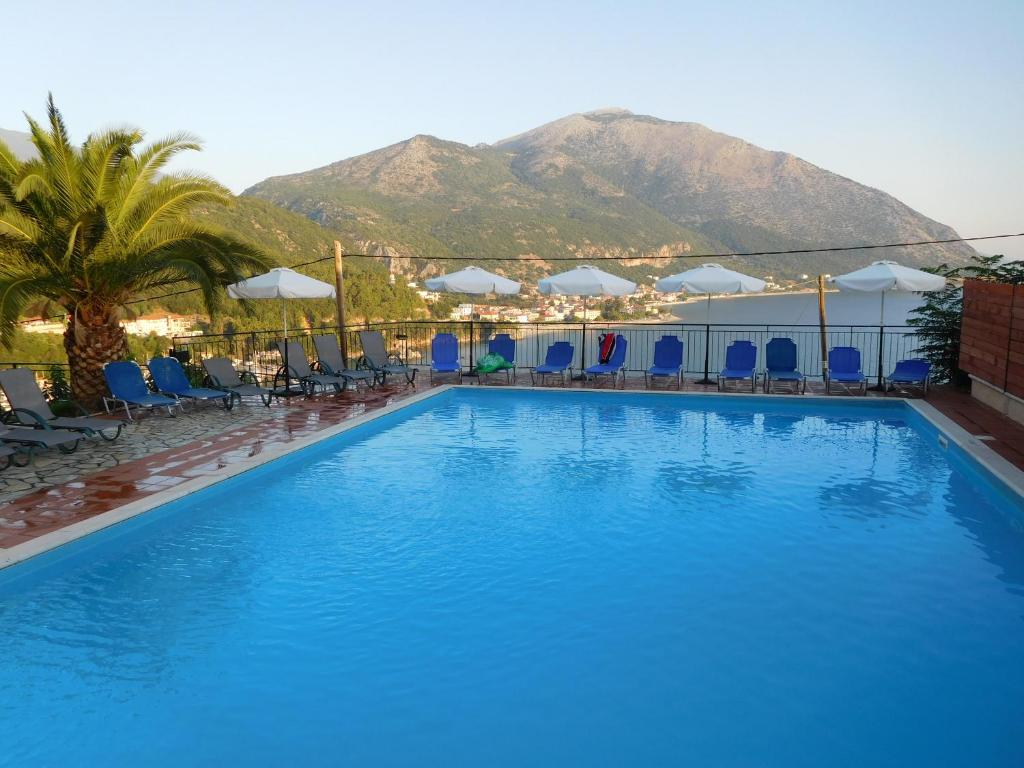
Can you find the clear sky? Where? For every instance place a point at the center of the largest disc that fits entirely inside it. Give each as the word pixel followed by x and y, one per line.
pixel 924 100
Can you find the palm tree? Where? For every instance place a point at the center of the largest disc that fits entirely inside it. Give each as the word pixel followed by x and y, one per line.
pixel 90 229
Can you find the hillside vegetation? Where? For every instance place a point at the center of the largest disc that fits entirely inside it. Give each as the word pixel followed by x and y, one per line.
pixel 607 183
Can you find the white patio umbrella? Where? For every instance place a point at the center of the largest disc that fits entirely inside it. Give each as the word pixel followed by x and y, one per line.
pixel 472 280
pixel 709 279
pixel 281 283
pixel 586 281
pixel 884 276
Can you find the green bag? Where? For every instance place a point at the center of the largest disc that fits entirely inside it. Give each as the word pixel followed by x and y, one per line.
pixel 490 363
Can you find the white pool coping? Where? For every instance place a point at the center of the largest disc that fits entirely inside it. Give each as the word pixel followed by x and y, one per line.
pixel 1002 469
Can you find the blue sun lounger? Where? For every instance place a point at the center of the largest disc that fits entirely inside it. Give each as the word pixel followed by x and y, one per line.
pixel 444 356
pixel 909 374
pixel 844 370
pixel 668 361
pixel 170 380
pixel 557 361
pixel 740 364
pixel 614 368
pixel 503 344
pixel 128 388
pixel 780 366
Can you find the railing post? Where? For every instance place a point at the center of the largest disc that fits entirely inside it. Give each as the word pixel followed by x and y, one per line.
pixel 471 344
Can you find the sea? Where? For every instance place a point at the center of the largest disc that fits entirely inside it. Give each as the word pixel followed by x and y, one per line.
pixel 841 308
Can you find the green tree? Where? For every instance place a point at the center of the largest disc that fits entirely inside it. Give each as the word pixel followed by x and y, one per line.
pixel 939 318
pixel 91 228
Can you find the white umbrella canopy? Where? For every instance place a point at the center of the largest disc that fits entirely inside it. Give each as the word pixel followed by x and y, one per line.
pixel 710 278
pixel 472 280
pixel 586 281
pixel 889 276
pixel 281 283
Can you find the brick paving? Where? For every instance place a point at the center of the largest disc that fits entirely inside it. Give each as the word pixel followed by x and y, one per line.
pixel 159 452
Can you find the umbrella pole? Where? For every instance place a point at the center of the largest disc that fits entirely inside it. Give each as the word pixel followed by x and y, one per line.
pixel 706 381
pixel 583 347
pixel 287 365
pixel 823 327
pixel 881 340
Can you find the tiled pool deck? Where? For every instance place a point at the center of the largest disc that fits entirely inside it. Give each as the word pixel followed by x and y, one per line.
pixel 159 453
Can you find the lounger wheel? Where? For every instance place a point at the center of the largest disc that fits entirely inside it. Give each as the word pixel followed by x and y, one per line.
pixel 117 433
pixel 68 448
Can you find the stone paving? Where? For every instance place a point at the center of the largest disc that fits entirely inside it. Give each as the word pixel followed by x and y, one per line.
pixel 151 434
pixel 159 452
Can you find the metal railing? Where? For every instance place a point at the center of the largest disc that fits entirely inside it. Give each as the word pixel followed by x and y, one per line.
pixel 256 351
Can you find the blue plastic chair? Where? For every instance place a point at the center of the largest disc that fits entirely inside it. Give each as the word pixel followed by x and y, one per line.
pixel 668 361
pixel 909 373
pixel 128 388
pixel 740 364
pixel 170 380
pixel 844 369
pixel 504 345
pixel 444 356
pixel 614 368
pixel 780 365
pixel 557 361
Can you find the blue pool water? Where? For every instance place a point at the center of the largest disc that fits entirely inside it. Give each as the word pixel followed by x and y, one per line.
pixel 501 578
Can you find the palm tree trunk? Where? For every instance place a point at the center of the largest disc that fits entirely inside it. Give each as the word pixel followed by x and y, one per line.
pixel 89 345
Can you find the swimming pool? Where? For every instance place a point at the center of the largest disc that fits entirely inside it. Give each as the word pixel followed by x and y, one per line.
pixel 507 578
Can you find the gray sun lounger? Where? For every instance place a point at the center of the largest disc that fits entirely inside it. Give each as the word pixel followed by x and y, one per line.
pixel 30 408
pixel 223 376
pixel 328 359
pixel 377 359
pixel 300 371
pixel 30 438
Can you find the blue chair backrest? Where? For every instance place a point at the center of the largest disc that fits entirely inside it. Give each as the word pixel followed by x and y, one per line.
pixel 780 355
pixel 559 354
pixel 125 380
pixel 168 375
pixel 668 352
pixel 913 369
pixel 844 360
pixel 504 345
pixel 741 356
pixel 444 348
pixel 618 358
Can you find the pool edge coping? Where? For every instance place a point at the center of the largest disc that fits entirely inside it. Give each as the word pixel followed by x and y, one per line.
pixel 47 542
pixel 986 457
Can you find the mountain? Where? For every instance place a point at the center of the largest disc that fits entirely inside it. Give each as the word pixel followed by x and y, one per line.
pixel 19 143
pixel 606 183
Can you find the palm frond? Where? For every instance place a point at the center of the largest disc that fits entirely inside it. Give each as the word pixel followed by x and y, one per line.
pixel 142 172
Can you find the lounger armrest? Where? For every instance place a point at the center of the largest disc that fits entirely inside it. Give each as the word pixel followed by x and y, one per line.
pixel 39 421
